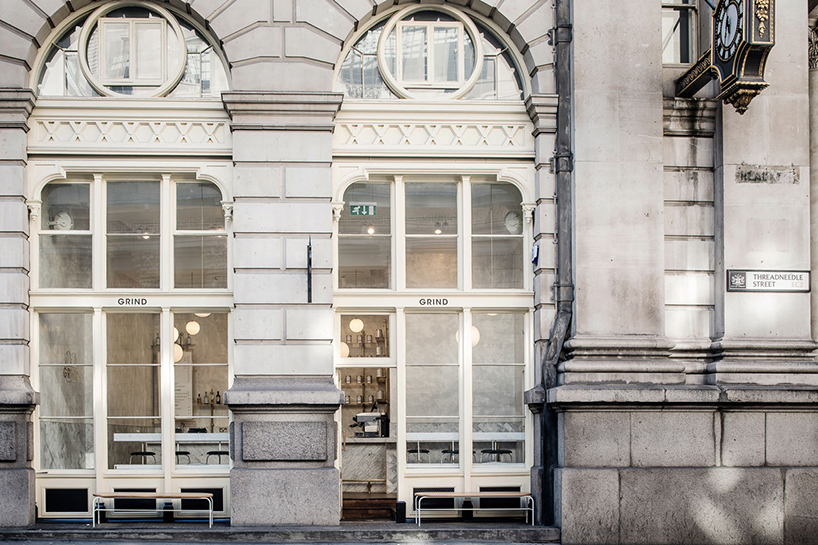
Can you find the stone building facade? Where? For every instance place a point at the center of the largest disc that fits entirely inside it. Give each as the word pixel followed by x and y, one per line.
pixel 404 231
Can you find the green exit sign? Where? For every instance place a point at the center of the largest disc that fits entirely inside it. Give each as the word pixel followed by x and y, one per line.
pixel 362 209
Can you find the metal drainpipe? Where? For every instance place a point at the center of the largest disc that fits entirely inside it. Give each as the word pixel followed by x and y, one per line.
pixel 563 165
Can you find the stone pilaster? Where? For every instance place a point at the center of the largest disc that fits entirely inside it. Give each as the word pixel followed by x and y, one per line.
pixel 618 326
pixel 17 398
pixel 283 397
pixel 762 198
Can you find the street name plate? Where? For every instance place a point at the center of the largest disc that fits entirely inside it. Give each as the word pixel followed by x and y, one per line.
pixel 774 281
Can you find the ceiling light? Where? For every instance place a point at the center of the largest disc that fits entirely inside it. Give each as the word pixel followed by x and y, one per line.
pixel 192 327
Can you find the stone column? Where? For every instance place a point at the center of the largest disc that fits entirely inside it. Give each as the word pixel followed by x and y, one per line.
pixel 813 160
pixel 283 441
pixel 763 220
pixel 17 398
pixel 618 321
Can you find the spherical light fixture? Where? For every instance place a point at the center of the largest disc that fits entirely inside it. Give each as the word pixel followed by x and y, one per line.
pixel 202 314
pixel 344 350
pixel 192 327
pixel 175 334
pixel 178 352
pixel 356 325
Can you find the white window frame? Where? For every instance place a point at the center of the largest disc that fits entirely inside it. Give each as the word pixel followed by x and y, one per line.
pixel 692 9
pixel 134 77
pixel 429 81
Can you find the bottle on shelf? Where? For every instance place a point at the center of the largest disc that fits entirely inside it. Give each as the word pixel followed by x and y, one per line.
pixel 218 397
pixel 206 399
pixel 198 399
pixel 212 396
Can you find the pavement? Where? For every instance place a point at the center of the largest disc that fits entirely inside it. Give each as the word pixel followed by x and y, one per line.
pixel 370 533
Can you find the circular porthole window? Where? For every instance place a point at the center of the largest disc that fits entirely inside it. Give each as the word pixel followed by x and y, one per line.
pixel 128 49
pixel 429 53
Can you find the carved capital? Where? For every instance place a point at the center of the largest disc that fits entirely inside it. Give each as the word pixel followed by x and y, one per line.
pixel 34 210
pixel 528 212
pixel 337 208
pixel 228 212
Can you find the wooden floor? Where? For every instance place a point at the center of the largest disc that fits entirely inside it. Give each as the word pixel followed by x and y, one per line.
pixel 368 506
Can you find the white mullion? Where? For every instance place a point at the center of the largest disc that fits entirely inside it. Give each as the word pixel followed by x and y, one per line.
pixel 99 238
pixel 466 439
pixel 34 377
pixel 399 235
pixel 167 224
pixel 100 389
pixel 166 391
pixel 430 55
pixel 464 234
pixel 400 448
pixel 528 416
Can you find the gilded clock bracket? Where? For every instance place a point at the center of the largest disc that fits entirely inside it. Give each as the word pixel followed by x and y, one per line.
pixel 738 61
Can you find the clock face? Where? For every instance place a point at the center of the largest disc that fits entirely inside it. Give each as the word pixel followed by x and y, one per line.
pixel 728 28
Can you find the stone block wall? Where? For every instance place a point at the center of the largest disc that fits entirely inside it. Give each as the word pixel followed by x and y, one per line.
pixel 703 465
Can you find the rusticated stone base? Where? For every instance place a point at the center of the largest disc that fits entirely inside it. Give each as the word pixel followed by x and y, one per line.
pixel 17 498
pixel 272 497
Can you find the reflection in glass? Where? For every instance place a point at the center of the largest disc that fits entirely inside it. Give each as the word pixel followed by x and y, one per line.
pixel 413 53
pixel 497 263
pixel 65 261
pixel 66 207
pixel 199 207
pixel 498 383
pixel 133 207
pixel 148 50
pixel 364 262
pixel 117 47
pixel 445 54
pixel 133 261
pixel 431 262
pixel 200 380
pixel 366 206
pixel 431 207
pixel 200 261
pixel 133 387
pixel 432 386
pixel 66 390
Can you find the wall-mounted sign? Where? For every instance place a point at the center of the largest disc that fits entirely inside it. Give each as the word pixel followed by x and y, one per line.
pixel 362 209
pixel 437 302
pixel 132 301
pixel 780 281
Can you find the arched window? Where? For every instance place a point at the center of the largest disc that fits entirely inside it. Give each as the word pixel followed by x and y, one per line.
pixel 433 234
pixel 430 53
pixel 132 225
pixel 131 48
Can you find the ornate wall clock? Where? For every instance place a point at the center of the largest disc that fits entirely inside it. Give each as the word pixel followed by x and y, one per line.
pixel 743 33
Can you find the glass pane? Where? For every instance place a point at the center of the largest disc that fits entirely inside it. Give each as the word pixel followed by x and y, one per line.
pixel 133 207
pixel 497 391
pixel 485 87
pixel 66 207
pixel 497 262
pixel 350 75
pixel 133 261
pixel 676 36
pixel 364 262
pixel 431 338
pixel 446 54
pixel 66 339
pixel 413 53
pixel 199 207
pixel 66 444
pixel 66 390
pixel 65 261
pixel 200 262
pixel 367 209
pixel 501 338
pixel 431 208
pixel 134 443
pixel 116 39
pixel 468 57
pixel 75 83
pixel 432 391
pixel 200 380
pixel 431 262
pixel 364 336
pixel 132 338
pixel 133 390
pixel 374 86
pixel 496 209
pixel 149 54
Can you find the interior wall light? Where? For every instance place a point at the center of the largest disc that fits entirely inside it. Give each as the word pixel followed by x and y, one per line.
pixel 202 314
pixel 356 325
pixel 178 352
pixel 344 350
pixel 175 334
pixel 475 336
pixel 146 236
pixel 370 230
pixel 192 327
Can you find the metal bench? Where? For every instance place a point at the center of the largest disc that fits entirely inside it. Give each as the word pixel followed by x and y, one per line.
pixel 529 507
pixel 99 502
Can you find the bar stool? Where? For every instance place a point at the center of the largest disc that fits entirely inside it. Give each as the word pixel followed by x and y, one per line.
pixel 451 452
pixel 497 453
pixel 218 453
pixel 141 454
pixel 417 452
pixel 182 453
